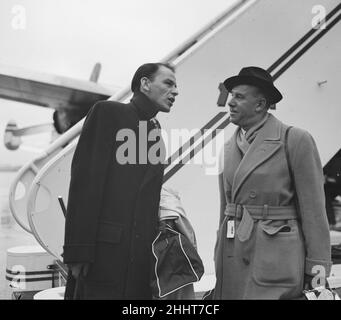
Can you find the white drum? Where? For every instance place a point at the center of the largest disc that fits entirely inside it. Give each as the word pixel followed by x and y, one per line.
pixel 50 294
pixel 27 268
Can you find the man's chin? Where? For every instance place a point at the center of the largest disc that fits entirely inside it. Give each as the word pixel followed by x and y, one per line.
pixel 234 121
pixel 165 109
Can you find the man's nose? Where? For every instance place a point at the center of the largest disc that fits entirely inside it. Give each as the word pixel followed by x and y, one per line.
pixel 175 91
pixel 231 102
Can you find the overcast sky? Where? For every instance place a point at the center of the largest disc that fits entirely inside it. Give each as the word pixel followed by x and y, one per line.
pixel 67 37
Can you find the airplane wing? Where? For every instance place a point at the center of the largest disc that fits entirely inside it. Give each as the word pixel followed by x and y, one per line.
pixel 71 98
pixel 50 91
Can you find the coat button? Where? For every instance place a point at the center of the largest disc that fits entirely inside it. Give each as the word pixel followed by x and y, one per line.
pixel 246 261
pixel 253 195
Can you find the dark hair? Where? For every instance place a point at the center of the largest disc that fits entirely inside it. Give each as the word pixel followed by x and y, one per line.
pixel 147 70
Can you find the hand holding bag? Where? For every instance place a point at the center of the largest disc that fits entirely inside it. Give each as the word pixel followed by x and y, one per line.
pixel 177 263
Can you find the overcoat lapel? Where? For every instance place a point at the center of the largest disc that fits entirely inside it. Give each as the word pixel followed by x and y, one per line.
pixel 232 158
pixel 265 145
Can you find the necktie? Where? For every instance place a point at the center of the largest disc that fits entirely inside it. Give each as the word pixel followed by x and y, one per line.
pixel 242 143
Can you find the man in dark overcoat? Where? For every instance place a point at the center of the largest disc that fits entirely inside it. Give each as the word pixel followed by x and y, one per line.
pixel 114 194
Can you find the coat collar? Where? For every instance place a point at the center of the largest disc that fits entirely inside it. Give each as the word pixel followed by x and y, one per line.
pixel 146 110
pixel 266 143
pixel 144 107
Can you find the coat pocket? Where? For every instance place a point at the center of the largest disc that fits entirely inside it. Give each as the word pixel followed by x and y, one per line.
pixel 279 255
pixel 109 232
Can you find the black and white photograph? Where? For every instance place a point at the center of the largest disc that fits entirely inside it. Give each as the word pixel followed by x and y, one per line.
pixel 173 155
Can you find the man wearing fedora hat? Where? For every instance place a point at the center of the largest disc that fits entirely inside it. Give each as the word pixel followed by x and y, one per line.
pixel 273 239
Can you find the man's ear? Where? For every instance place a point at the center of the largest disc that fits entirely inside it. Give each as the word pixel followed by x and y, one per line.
pixel 145 84
pixel 261 105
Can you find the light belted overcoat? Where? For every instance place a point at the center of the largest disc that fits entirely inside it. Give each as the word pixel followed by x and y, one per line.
pixel 271 249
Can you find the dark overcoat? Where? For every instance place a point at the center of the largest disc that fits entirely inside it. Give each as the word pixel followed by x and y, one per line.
pixel 112 210
pixel 274 243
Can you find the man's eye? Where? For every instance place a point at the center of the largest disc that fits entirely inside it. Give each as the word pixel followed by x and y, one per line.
pixel 236 95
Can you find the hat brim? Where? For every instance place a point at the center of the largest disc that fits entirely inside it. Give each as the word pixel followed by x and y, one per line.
pixel 270 90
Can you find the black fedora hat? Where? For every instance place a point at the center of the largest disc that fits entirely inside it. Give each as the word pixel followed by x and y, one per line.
pixel 257 77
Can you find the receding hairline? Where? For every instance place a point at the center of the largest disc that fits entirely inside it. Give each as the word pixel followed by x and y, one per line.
pixel 163 65
pixel 148 70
